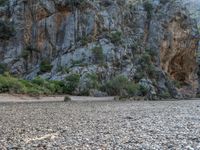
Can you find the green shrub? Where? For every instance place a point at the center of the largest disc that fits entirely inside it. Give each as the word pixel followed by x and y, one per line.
pixel 177 84
pixel 7 30
pixel 49 87
pixel 145 59
pixel 10 84
pixel 143 90
pixel 89 81
pixel 3 68
pixel 148 8
pixel 132 89
pixel 3 2
pixel 71 83
pixel 63 69
pixel 45 66
pixel 147 65
pixel 34 91
pixel 98 54
pixel 25 54
pixel 28 51
pixel 94 83
pixel 85 40
pixel 55 87
pixel 139 75
pixel 116 37
pixel 30 48
pixel 38 81
pixel 118 85
pixel 152 54
pixel 38 86
pixel 165 95
pixel 77 63
pixel 150 70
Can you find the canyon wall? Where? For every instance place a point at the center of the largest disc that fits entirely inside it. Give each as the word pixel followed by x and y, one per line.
pixel 154 42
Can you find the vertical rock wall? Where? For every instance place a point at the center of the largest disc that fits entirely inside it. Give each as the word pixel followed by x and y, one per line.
pixel 67 35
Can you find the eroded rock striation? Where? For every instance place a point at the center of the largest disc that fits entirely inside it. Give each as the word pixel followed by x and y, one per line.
pixel 150 42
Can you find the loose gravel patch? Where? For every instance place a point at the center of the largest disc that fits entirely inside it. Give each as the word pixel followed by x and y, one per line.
pixel 100 125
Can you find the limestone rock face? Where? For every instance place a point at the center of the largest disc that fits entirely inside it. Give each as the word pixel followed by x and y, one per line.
pixel 179 48
pixel 193 7
pixel 105 37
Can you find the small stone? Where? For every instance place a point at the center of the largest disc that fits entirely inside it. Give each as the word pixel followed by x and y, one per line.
pixel 67 99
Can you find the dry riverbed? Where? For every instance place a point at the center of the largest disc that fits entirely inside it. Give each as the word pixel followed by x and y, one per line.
pixel 99 125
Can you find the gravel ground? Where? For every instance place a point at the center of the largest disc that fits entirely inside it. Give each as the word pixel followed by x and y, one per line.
pixel 58 98
pixel 100 125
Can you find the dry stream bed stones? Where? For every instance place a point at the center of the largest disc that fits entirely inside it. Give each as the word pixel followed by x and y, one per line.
pixel 100 125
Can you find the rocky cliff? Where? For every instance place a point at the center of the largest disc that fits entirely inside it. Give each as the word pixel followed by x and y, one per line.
pixel 194 8
pixel 153 43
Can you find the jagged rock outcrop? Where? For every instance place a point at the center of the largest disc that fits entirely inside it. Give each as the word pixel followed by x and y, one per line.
pixel 104 37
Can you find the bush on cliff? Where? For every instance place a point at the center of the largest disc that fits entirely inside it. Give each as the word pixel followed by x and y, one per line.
pixel 98 55
pixel 3 68
pixel 147 65
pixel 116 37
pixel 10 84
pixel 71 82
pixel 38 86
pixel 45 66
pixel 3 2
pixel 7 30
pixel 120 86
